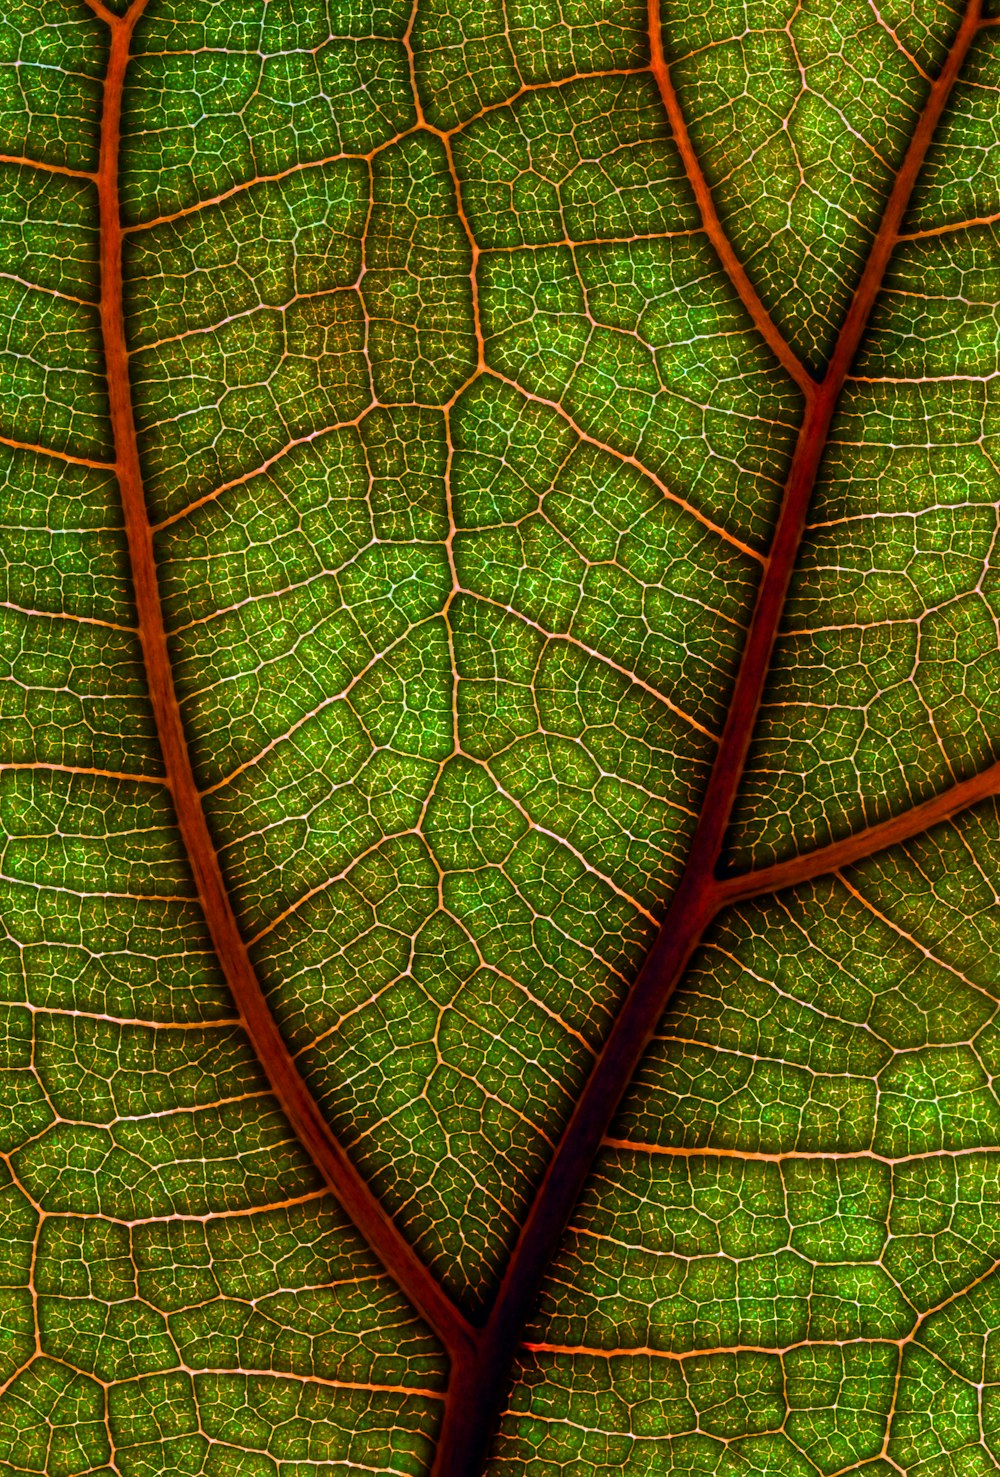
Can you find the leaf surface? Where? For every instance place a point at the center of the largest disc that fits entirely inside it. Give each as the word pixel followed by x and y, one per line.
pixel 500 507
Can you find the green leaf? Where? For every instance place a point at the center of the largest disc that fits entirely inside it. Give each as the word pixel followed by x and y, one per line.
pixel 500 740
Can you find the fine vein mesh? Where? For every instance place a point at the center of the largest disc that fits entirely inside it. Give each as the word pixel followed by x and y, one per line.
pixel 800 113
pixel 178 1291
pixel 883 688
pixel 785 1259
pixel 455 567
pixel 464 455
pixel 177 1287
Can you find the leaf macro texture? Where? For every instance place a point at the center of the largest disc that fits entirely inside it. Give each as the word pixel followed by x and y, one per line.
pixel 499 738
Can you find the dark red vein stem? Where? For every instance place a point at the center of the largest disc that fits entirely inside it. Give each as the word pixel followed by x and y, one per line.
pixel 714 229
pixel 478 1384
pixel 375 1225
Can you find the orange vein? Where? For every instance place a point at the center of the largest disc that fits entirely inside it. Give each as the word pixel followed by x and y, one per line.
pixel 46 167
pixel 62 456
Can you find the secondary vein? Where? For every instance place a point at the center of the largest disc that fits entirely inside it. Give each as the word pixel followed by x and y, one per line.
pixel 371 1219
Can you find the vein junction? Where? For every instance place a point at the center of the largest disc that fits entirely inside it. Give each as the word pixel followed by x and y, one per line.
pixel 465 419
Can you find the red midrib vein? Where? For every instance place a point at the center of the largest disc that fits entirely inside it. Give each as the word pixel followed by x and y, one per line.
pixel 374 1223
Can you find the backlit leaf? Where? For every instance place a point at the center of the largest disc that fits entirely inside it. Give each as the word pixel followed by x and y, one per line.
pixel 500 734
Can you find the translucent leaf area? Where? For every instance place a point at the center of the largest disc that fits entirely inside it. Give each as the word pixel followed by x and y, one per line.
pixel 418 403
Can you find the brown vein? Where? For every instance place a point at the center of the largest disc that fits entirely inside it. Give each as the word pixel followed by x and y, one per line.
pixel 378 1229
pixel 865 843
